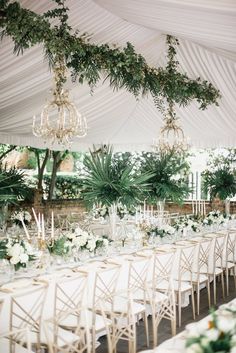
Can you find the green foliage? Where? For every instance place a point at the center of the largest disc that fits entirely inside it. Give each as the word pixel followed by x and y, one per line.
pixel 220 183
pixel 67 186
pixel 58 246
pixel 124 68
pixel 13 186
pixel 167 181
pixel 219 179
pixel 109 181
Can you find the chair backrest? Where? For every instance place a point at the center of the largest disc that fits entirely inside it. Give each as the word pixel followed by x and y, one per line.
pixel 64 341
pixel 231 246
pixel 184 262
pixel 137 274
pixel 207 254
pixel 63 221
pixel 69 293
pixel 106 279
pixel 220 249
pixel 17 341
pixel 163 265
pixel 26 310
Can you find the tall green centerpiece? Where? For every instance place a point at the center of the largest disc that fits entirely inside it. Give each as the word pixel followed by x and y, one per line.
pixel 221 183
pixel 110 181
pixel 12 189
pixel 168 180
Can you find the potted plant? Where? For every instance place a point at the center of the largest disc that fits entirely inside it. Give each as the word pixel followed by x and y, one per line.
pixel 168 177
pixel 108 181
pixel 221 183
pixel 12 189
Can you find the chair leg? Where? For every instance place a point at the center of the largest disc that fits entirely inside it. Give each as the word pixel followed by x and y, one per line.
pixel 198 298
pixel 223 284
pixel 146 328
pixel 234 269
pixel 93 340
pixel 193 304
pixel 173 327
pixel 179 307
pixel 209 293
pixel 154 327
pixel 214 289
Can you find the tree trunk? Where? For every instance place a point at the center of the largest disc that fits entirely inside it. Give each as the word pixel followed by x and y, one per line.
pixel 58 157
pixel 41 168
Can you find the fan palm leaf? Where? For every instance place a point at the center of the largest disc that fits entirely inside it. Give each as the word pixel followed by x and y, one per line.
pixel 220 183
pixel 107 182
pixel 164 183
pixel 12 185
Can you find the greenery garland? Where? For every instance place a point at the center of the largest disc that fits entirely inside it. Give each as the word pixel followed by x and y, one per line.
pixel 124 68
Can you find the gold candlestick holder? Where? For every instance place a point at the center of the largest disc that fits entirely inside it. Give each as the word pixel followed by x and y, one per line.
pixel 42 245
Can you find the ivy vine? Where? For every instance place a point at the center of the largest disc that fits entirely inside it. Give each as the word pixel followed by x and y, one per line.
pixel 89 62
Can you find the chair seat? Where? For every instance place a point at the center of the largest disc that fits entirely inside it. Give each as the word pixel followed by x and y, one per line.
pixel 229 265
pixel 121 306
pixel 195 277
pixel 177 286
pixel 71 321
pixel 5 347
pixel 151 295
pixel 204 270
pixel 47 334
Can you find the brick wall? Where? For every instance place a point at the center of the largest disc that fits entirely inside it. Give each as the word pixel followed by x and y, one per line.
pixel 69 206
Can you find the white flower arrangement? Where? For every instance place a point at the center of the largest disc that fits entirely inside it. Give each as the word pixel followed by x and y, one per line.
pixel 214 217
pixel 17 216
pixel 188 224
pixel 99 211
pixel 17 251
pixel 84 240
pixel 217 334
pixel 162 231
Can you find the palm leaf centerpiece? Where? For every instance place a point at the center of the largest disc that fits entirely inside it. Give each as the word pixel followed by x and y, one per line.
pixel 168 181
pixel 109 181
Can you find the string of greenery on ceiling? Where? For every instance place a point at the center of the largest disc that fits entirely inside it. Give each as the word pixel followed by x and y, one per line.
pixel 90 62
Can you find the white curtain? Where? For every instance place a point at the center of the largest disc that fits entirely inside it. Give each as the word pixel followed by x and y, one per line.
pixel 207 50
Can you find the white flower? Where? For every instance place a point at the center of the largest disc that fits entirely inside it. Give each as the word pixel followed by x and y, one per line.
pixel 80 240
pixel 205 341
pixel 233 349
pixel 14 260
pixel 15 250
pixel 194 348
pixel 24 258
pixel 233 340
pixel 196 329
pixel 91 245
pixel 105 242
pixel 212 334
pixel 78 231
pixel 226 323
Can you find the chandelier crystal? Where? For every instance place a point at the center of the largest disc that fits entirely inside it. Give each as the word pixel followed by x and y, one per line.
pixel 60 120
pixel 171 134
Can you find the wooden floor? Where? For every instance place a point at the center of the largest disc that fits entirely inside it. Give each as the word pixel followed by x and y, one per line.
pixel 164 331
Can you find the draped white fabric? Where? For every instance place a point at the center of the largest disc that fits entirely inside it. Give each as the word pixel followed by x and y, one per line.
pixel 208 49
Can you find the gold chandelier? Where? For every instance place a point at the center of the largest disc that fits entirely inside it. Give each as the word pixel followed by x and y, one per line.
pixel 171 134
pixel 60 120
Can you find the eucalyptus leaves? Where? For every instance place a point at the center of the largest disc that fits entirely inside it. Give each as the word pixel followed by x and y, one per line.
pixel 88 62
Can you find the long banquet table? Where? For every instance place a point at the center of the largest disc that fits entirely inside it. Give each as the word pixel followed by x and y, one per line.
pixel 25 284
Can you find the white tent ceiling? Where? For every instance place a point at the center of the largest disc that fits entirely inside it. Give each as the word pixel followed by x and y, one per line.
pixel 207 33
